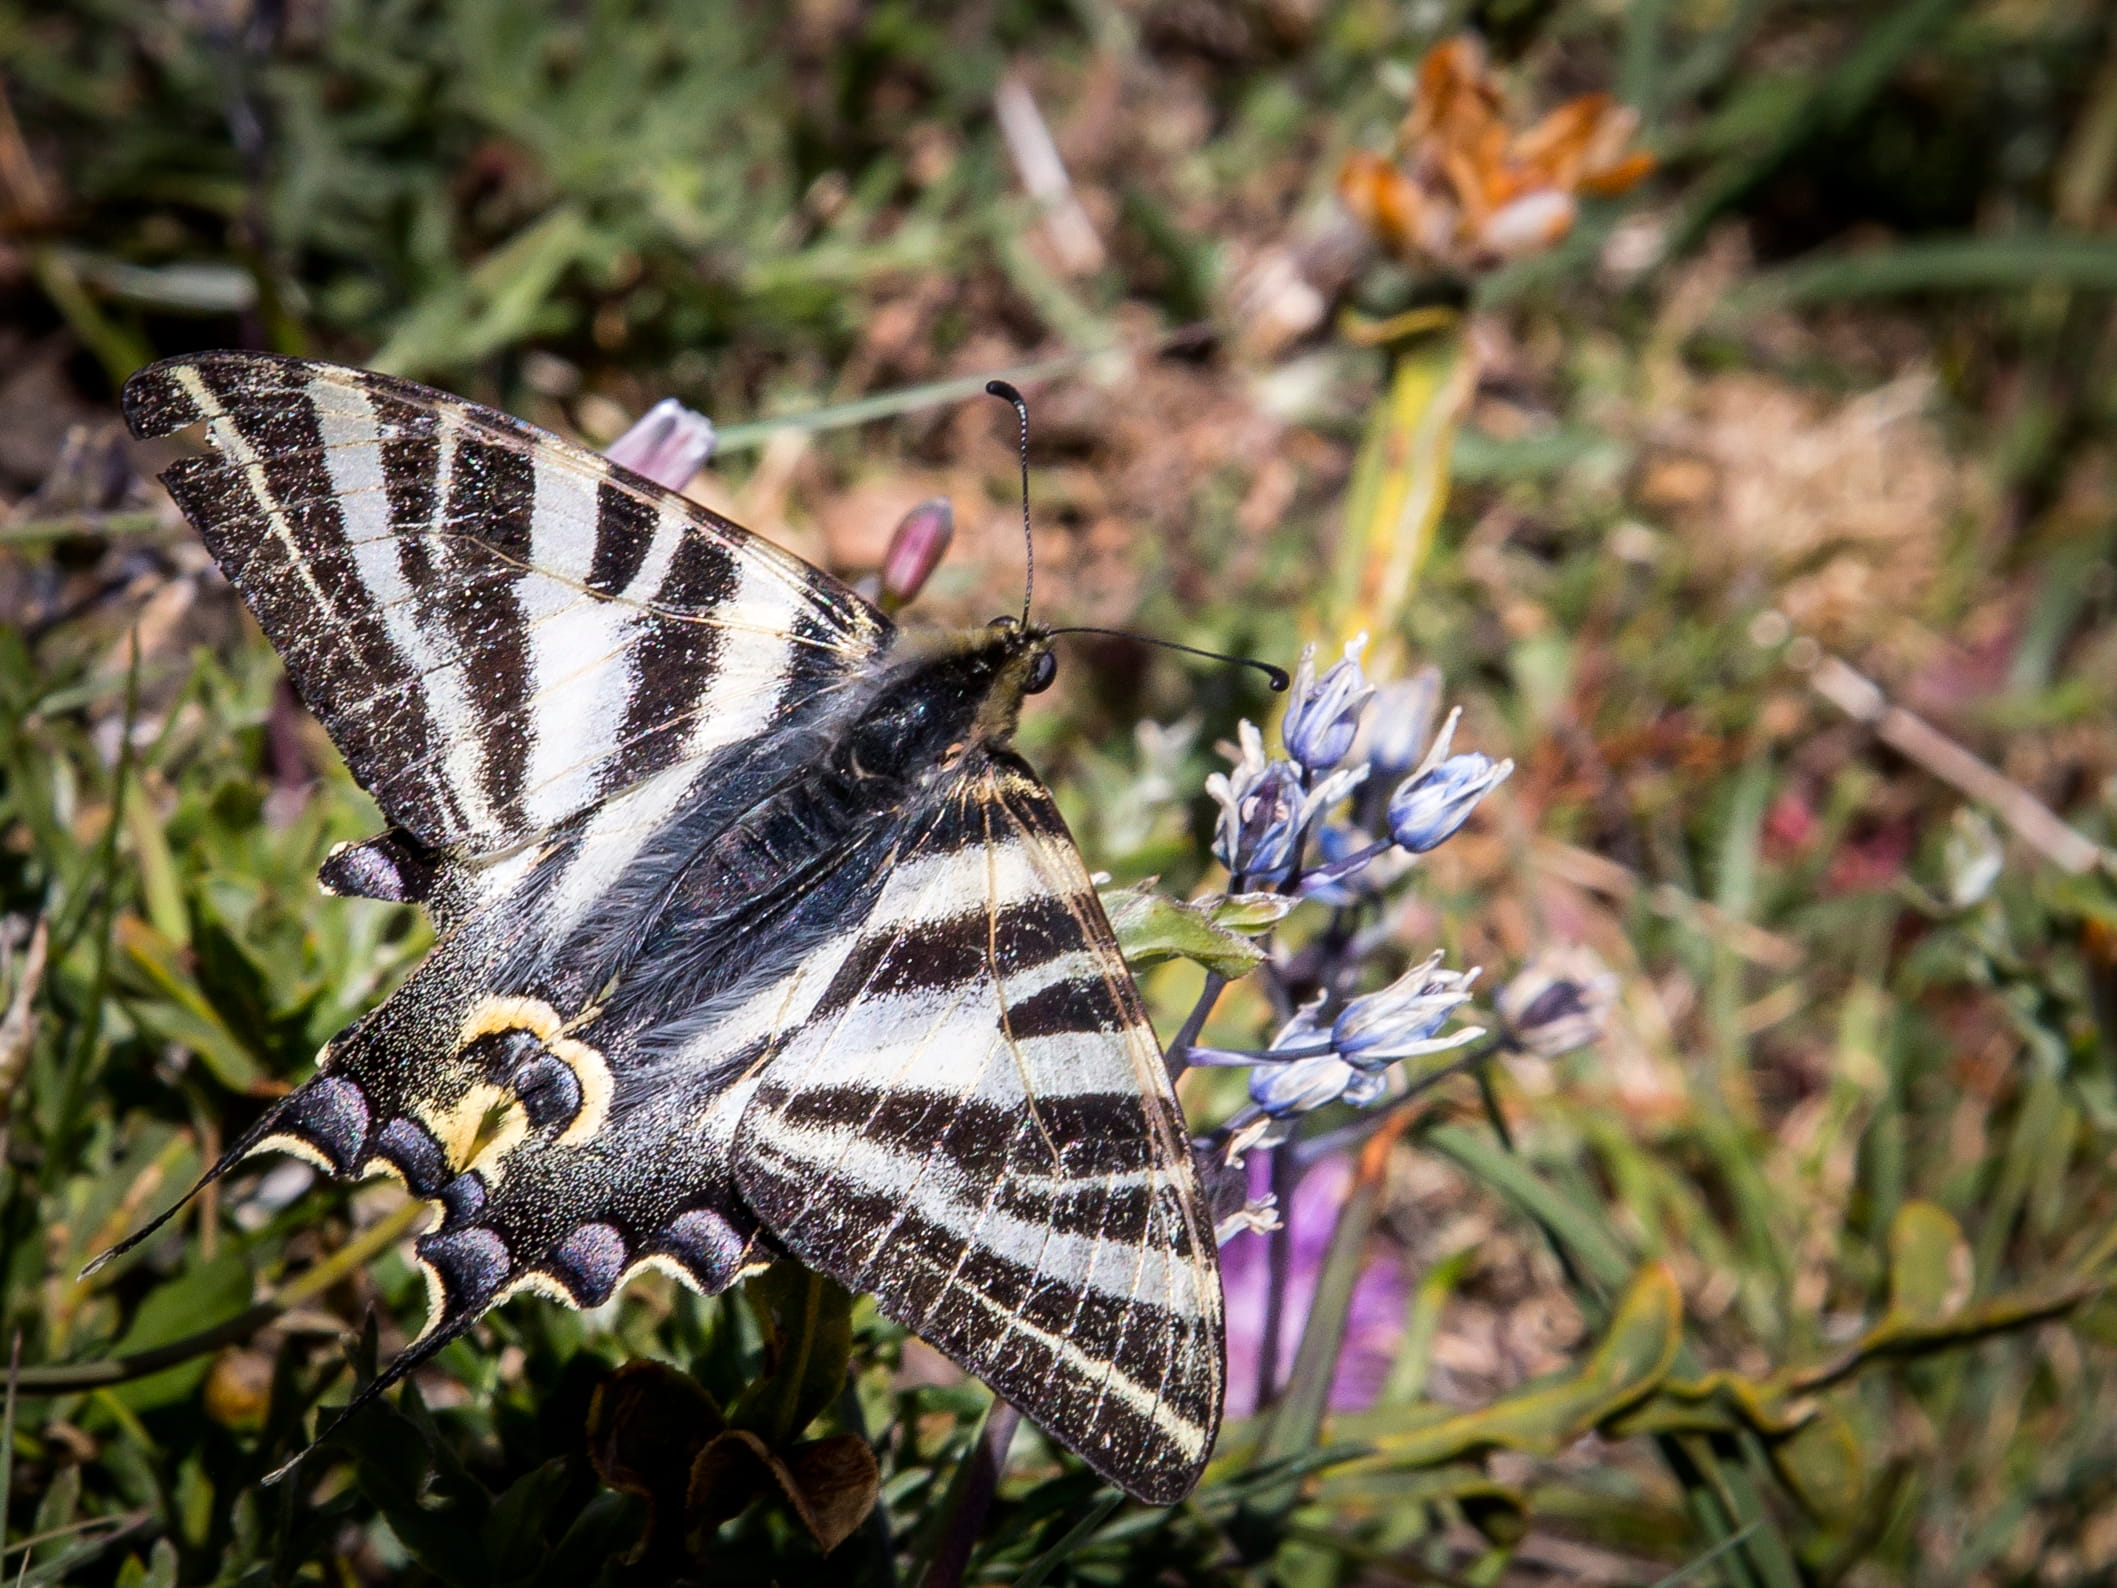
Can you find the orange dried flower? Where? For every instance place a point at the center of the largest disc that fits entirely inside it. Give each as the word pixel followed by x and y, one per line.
pixel 1466 192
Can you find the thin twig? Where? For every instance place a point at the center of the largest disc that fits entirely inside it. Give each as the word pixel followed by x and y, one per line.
pixel 934 394
pixel 1912 736
pixel 29 531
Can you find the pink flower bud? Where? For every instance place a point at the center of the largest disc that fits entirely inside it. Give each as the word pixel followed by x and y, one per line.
pixel 668 445
pixel 916 548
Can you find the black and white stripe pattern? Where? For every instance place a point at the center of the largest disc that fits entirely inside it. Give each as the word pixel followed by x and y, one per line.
pixel 750 931
pixel 498 628
pixel 973 1122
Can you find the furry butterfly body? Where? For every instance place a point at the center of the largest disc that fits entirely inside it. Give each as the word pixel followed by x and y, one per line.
pixel 753 933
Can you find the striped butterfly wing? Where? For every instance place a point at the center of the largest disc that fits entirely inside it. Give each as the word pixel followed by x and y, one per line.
pixel 497 628
pixel 973 1122
pixel 509 638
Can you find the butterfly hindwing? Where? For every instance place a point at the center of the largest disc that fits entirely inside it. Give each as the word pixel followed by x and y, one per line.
pixel 497 628
pixel 973 1122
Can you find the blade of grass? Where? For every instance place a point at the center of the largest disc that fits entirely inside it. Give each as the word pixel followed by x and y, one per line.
pixel 1037 1570
pixel 7 1427
pixel 1582 1233
pixel 1953 264
pixel 1837 97
pixel 1684 1574
pixel 84 1524
pixel 356 1253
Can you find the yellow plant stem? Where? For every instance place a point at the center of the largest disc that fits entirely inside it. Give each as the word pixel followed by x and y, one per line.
pixel 1401 477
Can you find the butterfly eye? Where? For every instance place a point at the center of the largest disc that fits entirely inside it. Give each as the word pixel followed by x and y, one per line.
pixel 1041 672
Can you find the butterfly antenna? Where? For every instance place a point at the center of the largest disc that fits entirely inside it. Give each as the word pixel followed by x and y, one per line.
pixel 1007 393
pixel 1275 676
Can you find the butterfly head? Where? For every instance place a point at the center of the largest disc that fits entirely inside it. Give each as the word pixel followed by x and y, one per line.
pixel 1014 660
pixel 1024 649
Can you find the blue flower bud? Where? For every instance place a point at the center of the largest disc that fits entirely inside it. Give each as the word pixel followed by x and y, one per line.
pixel 1399 719
pixel 1261 813
pixel 1299 1085
pixel 1429 807
pixel 1324 717
pixel 1365 1088
pixel 1401 1021
pixel 1264 840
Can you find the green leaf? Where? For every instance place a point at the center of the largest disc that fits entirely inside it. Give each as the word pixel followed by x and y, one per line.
pixel 439 1516
pixel 813 1323
pixel 1634 1355
pixel 497 303
pixel 1581 1229
pixel 1401 478
pixel 182 1014
pixel 1152 927
pixel 514 1532
pixel 1929 1267
pixel 1248 913
pixel 204 1294
pixel 1498 1510
pixel 1824 1466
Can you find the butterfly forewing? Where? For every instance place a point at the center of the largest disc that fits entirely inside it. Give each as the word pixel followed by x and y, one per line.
pixel 497 628
pixel 973 1123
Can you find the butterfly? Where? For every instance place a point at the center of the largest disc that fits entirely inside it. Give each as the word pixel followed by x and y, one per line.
pixel 753 936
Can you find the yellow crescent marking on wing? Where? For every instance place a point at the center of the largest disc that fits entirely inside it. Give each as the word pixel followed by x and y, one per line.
pixel 455 1126
pixel 591 1070
pixel 540 1283
pixel 492 1016
pixel 294 1147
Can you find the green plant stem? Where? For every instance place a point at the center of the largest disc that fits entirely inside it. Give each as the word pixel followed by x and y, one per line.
pixel 1316 1148
pixel 363 1248
pixel 1278 1271
pixel 1176 1055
